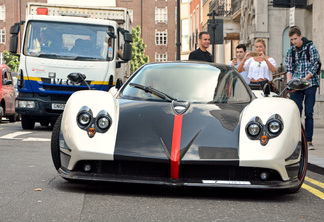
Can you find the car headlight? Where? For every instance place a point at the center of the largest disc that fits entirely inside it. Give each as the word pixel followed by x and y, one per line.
pixel 254 129
pixel 103 121
pixel 84 117
pixel 26 104
pixel 274 125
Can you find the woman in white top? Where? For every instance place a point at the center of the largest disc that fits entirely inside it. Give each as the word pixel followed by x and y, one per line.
pixel 259 67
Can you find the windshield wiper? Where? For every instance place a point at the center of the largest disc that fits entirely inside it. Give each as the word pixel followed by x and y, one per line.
pixel 84 58
pixel 149 89
pixel 48 55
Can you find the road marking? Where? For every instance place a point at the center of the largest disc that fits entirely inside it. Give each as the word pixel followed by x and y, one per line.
pixel 317 183
pixel 313 191
pixel 13 135
pixel 36 139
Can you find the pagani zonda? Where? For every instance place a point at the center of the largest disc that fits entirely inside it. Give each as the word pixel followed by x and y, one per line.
pixel 182 123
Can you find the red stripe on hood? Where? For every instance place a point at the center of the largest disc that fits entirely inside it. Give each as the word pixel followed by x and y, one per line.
pixel 175 148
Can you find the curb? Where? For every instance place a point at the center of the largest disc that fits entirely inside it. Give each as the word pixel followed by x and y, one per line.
pixel 316 164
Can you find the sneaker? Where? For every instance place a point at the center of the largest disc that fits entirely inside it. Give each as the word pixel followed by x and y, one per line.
pixel 310 146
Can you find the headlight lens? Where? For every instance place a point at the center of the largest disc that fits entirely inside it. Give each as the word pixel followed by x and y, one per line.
pixel 254 129
pixel 274 127
pixel 103 123
pixel 26 104
pixel 84 119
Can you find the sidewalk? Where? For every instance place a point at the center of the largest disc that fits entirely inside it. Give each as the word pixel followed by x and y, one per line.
pixel 316 157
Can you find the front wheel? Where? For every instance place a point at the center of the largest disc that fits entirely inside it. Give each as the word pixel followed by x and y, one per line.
pixel 55 143
pixel 302 164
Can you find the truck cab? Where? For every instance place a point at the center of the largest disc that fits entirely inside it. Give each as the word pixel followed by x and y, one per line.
pixel 55 45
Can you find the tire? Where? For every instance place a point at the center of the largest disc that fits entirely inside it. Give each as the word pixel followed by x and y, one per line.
pixel 1 113
pixel 13 118
pixel 55 143
pixel 302 164
pixel 27 122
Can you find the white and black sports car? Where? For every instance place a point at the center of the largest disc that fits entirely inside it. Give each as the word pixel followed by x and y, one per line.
pixel 182 123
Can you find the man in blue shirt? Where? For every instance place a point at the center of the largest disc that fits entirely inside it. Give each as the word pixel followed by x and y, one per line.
pixel 240 53
pixel 300 66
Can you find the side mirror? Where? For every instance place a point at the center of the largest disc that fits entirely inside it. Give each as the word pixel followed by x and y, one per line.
pixel 266 90
pixel 298 84
pixel 119 84
pixel 127 54
pixel 77 78
pixel 13 44
pixel 8 82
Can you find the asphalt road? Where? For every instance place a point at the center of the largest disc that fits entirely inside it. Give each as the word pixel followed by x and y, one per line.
pixel 31 190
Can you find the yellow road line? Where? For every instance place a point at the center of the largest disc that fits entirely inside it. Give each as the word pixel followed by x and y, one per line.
pixel 313 191
pixel 317 183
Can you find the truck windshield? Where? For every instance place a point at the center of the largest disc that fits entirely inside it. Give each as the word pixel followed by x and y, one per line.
pixel 69 41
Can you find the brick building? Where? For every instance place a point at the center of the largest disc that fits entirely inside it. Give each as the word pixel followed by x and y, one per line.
pixel 157 19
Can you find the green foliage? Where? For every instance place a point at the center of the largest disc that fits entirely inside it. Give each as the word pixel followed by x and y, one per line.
pixel 138 48
pixel 11 61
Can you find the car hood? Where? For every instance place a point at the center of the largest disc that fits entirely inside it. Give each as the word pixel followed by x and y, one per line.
pixel 147 130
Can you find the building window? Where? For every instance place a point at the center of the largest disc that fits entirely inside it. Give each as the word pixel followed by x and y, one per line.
pixel 3 36
pixel 161 15
pixel 2 12
pixel 161 57
pixel 161 37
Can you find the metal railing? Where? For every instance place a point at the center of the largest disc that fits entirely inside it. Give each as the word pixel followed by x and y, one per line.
pixel 225 7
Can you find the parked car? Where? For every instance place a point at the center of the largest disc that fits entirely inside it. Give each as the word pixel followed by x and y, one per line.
pixel 7 94
pixel 182 124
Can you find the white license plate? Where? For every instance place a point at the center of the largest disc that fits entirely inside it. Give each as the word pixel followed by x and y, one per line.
pixel 58 106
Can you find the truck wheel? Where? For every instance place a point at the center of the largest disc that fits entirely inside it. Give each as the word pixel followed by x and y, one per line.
pixel 13 118
pixel 1 113
pixel 27 122
pixel 55 143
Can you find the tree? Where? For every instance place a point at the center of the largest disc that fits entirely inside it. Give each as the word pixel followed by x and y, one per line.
pixel 11 61
pixel 138 48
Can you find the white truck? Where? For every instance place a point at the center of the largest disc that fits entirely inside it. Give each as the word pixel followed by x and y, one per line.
pixel 62 39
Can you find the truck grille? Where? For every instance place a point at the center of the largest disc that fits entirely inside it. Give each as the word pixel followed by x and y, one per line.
pixel 64 88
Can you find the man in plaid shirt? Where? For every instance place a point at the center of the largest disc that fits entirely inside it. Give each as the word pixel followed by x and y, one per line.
pixel 299 66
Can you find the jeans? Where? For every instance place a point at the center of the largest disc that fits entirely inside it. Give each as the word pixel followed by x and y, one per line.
pixel 309 96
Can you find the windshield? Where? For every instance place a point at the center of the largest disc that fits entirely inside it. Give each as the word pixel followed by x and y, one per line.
pixel 68 41
pixel 187 82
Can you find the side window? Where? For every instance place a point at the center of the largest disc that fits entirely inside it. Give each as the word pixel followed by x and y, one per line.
pixel 9 75
pixel 4 77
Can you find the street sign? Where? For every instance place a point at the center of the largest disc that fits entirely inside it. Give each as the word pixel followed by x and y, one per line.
pixel 290 3
pixel 215 30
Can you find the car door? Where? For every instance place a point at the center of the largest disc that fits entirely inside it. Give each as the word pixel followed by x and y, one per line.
pixel 8 89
